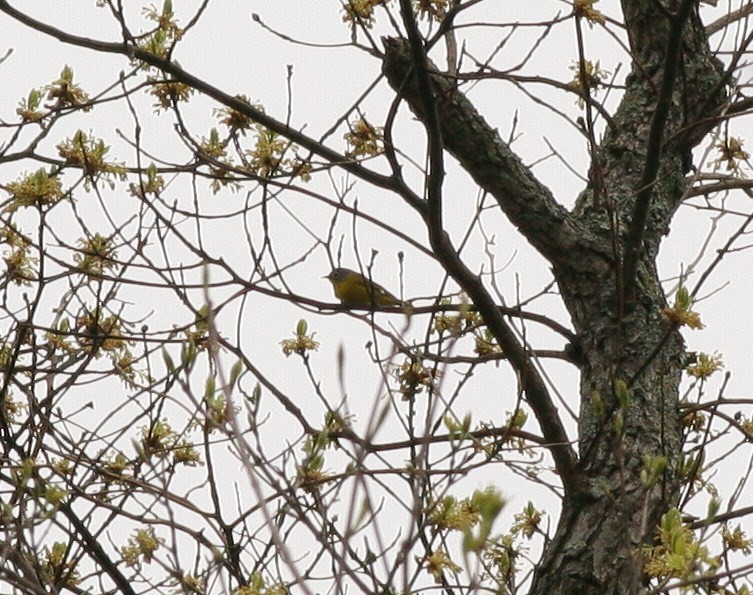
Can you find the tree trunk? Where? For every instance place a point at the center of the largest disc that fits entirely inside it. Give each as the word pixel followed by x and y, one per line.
pixel 630 355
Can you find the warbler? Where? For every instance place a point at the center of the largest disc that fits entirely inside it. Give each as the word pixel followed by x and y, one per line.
pixel 356 291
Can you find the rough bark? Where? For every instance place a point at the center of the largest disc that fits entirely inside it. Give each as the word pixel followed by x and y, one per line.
pixel 624 339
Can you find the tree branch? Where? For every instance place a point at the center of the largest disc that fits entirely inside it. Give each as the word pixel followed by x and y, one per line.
pixel 135 52
pixel 438 104
pixel 484 155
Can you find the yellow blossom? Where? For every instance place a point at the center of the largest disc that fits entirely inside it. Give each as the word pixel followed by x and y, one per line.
pixel 301 343
pixel 361 11
pixel 65 93
pixel 735 540
pixel 141 547
pixel 680 313
pixel 585 9
pixel 365 139
pixel 527 522
pixel 731 153
pixel 437 563
pixel 705 365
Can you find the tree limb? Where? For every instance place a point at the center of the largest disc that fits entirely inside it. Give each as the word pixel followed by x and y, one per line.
pixel 485 156
pixel 257 115
pixel 437 103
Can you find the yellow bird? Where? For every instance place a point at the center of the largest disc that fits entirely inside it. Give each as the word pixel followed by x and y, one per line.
pixel 356 291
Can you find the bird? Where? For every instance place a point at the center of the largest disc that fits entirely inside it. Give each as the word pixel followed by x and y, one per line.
pixel 356 291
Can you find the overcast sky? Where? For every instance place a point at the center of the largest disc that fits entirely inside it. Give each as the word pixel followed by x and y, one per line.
pixel 235 53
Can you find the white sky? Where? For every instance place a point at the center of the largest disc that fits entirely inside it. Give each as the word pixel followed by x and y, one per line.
pixel 239 56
